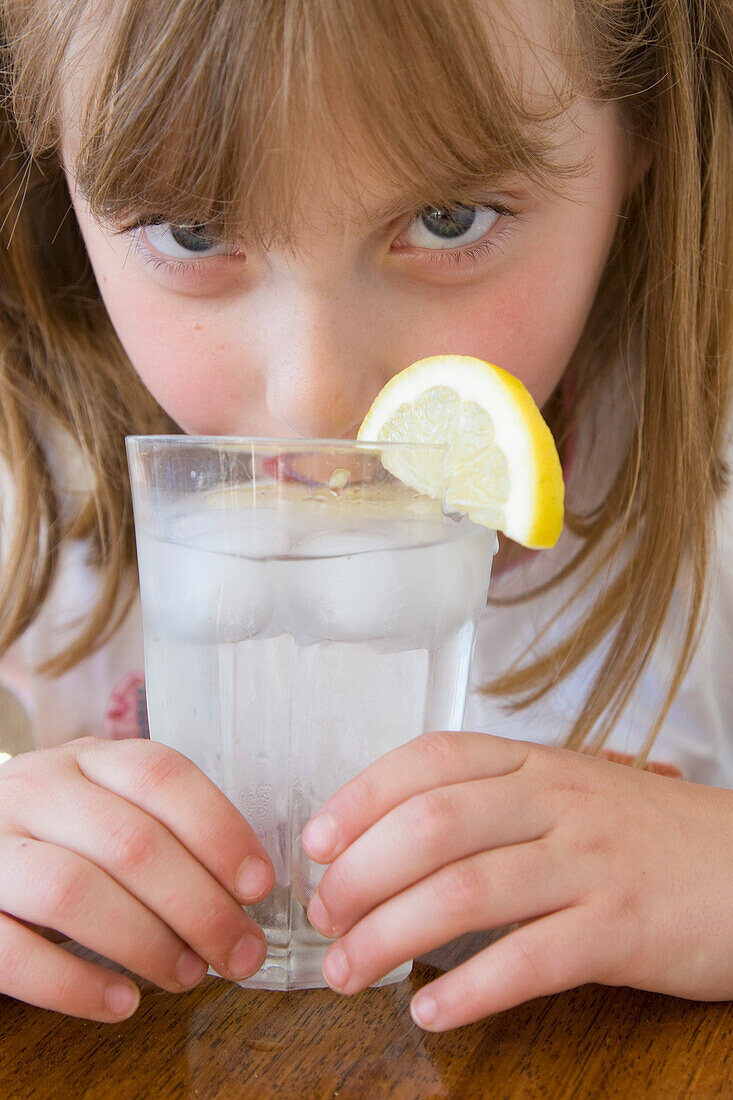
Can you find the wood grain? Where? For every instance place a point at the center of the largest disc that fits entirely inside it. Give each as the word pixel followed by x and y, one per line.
pixel 220 1042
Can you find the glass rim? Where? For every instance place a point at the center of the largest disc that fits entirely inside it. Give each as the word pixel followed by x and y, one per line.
pixel 265 443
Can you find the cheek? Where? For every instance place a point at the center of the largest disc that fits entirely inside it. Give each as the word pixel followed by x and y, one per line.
pixel 179 372
pixel 197 380
pixel 529 322
pixel 179 352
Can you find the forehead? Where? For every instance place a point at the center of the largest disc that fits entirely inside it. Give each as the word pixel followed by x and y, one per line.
pixel 241 117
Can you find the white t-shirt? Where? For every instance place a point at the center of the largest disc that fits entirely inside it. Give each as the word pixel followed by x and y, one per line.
pixel 104 694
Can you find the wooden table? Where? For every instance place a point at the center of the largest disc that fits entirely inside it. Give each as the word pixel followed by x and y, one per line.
pixel 220 1042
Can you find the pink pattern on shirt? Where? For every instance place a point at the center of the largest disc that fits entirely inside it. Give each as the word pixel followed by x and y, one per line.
pixel 127 712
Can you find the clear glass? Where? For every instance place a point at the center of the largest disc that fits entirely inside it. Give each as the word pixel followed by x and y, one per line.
pixel 304 612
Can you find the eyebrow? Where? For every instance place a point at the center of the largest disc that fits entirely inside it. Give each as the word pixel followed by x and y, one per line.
pixel 460 192
pixel 410 200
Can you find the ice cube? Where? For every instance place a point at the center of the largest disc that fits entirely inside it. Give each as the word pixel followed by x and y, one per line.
pixel 358 592
pixel 258 532
pixel 346 541
pixel 264 534
pixel 195 595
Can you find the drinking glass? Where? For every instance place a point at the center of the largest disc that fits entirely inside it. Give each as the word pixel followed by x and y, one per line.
pixel 304 612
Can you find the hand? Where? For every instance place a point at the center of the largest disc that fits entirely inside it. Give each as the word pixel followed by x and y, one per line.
pixel 614 875
pixel 127 848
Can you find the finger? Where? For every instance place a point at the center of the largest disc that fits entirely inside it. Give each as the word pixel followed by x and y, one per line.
pixel 43 974
pixel 386 859
pixel 489 890
pixel 45 884
pixel 546 956
pixel 431 760
pixel 167 786
pixel 140 854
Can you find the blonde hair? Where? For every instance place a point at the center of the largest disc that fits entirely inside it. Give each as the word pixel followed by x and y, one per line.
pixel 196 113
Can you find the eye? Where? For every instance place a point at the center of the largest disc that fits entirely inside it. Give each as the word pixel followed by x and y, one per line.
pixel 183 242
pixel 437 227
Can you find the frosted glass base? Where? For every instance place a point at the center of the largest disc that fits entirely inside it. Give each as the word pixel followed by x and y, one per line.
pixel 279 973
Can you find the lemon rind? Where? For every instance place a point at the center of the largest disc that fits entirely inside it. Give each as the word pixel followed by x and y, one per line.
pixel 534 510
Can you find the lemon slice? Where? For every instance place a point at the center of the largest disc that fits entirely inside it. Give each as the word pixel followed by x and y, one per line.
pixel 502 469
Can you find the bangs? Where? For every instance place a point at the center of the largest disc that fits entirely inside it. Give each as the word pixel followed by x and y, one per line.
pixel 213 111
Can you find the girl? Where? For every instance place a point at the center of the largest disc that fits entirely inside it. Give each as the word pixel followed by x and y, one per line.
pixel 243 217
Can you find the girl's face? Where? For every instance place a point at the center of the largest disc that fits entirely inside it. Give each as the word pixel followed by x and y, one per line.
pixel 298 341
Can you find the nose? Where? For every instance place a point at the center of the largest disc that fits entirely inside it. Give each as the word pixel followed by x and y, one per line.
pixel 323 363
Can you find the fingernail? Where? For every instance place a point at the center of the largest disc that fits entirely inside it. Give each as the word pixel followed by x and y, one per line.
pixel 336 969
pixel 190 969
pixel 247 956
pixel 122 999
pixel 254 878
pixel 320 835
pixel 424 1010
pixel 319 918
